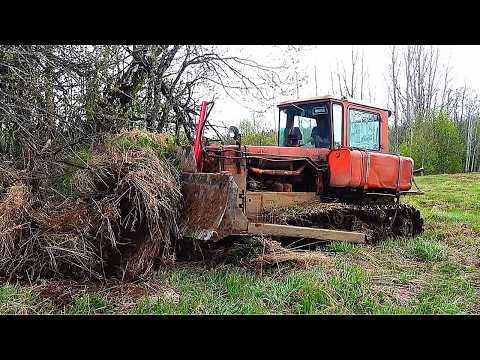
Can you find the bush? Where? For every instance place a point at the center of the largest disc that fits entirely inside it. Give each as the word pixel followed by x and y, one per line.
pixel 437 144
pixel 256 134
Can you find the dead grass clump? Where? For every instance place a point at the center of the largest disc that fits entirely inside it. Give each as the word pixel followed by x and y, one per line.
pixel 274 253
pixel 52 241
pixel 259 253
pixel 141 202
pixel 121 219
pixel 305 213
pixel 70 215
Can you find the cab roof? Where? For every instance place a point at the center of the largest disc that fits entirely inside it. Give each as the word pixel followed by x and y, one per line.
pixel 330 97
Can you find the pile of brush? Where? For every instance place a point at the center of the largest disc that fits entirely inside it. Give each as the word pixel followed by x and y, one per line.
pixel 119 220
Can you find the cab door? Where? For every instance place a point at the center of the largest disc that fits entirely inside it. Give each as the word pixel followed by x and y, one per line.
pixel 338 136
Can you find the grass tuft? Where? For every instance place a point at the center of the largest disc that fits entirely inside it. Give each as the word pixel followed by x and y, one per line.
pixel 341 247
pixel 427 251
pixel 16 300
pixel 446 296
pixel 90 303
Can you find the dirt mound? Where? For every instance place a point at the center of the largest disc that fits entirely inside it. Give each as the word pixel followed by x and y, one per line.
pixel 120 220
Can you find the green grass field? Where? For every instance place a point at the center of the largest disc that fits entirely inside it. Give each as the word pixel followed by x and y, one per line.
pixel 436 273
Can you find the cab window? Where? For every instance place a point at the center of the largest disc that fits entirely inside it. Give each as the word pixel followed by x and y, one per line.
pixel 306 125
pixel 364 129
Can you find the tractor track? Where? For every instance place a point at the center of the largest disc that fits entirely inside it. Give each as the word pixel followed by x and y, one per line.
pixel 377 221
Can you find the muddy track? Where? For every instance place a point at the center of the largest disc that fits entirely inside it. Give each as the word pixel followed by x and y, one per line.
pixel 377 221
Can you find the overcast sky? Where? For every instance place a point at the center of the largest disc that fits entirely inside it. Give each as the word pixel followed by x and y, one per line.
pixel 463 59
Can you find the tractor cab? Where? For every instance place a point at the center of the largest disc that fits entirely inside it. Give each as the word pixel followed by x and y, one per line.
pixel 329 122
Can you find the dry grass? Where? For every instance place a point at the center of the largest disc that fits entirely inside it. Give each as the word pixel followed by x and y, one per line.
pixel 300 213
pixel 13 209
pixel 120 220
pixel 259 254
pixel 274 253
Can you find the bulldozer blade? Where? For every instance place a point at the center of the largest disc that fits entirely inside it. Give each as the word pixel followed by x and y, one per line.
pixel 210 210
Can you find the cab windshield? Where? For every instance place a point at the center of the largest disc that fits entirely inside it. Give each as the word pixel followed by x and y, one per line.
pixel 305 125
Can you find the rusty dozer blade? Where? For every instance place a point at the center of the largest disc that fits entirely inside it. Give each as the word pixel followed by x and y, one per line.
pixel 210 210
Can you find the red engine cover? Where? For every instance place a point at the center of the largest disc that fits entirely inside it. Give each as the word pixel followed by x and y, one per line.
pixel 369 170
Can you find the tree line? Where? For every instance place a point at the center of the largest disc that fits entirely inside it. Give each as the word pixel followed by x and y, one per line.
pixel 56 98
pixel 435 123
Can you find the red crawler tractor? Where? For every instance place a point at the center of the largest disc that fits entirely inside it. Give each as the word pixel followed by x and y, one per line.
pixel 332 155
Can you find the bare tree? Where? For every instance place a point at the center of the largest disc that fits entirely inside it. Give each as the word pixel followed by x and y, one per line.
pixel 425 88
pixel 353 80
pixel 55 100
pixel 394 72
